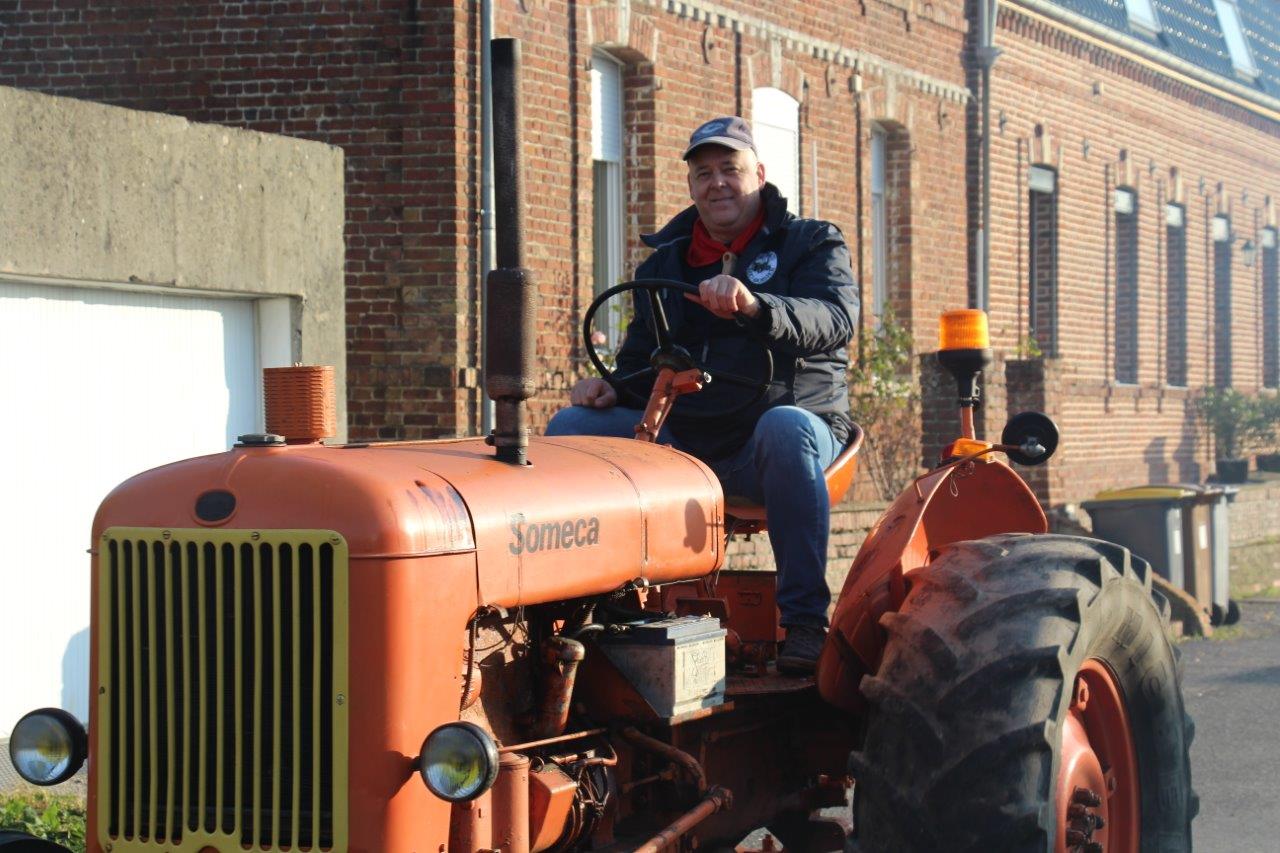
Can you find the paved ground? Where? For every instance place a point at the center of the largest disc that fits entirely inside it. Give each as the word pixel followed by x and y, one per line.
pixel 1232 689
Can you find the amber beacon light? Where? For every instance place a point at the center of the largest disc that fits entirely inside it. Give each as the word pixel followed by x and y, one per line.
pixel 965 328
pixel 965 349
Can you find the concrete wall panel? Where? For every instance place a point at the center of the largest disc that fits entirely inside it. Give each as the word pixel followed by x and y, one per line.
pixel 101 194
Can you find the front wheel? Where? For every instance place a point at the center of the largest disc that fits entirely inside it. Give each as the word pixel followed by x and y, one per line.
pixel 1028 699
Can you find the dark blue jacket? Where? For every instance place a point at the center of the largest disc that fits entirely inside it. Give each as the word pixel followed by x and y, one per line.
pixel 799 270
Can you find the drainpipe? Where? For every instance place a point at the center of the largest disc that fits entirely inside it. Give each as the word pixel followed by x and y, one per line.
pixel 985 54
pixel 487 239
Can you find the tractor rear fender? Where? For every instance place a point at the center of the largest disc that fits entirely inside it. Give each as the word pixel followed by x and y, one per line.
pixel 969 500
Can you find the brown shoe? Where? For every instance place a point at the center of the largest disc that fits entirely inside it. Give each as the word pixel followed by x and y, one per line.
pixel 799 655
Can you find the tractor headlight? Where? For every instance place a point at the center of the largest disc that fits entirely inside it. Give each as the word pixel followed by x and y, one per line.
pixel 48 746
pixel 459 762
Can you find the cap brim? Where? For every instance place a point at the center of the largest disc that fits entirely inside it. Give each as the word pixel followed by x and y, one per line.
pixel 725 141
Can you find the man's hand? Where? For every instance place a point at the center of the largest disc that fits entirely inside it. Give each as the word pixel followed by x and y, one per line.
pixel 593 393
pixel 725 296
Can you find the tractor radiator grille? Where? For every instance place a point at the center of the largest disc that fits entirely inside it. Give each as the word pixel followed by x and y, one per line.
pixel 222 672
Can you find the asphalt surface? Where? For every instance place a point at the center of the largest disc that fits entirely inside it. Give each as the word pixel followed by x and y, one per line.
pixel 1231 685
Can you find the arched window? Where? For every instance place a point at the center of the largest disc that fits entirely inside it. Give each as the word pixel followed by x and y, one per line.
pixel 1126 305
pixel 1270 307
pixel 1042 256
pixel 890 219
pixel 775 124
pixel 879 222
pixel 608 240
pixel 1175 275
pixel 1220 232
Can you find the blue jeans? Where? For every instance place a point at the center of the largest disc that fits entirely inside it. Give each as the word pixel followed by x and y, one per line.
pixel 781 467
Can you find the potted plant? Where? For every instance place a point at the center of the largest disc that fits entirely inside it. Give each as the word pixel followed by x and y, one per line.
pixel 1271 410
pixel 1237 422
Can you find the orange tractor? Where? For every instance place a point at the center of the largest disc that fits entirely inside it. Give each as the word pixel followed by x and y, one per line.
pixel 522 645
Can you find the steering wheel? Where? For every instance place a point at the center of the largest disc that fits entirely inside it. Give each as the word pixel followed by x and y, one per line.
pixel 669 354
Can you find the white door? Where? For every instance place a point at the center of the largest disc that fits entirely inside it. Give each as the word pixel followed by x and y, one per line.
pixel 96 385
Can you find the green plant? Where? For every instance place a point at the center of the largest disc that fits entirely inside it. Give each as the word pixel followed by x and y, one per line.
pixel 1270 405
pixel 1238 422
pixel 610 328
pixel 1029 347
pixel 59 818
pixel 886 403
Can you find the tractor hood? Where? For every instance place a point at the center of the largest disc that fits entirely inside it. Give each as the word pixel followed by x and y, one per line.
pixel 587 515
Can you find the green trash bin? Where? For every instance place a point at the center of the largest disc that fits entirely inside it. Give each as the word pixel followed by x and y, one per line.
pixel 1149 521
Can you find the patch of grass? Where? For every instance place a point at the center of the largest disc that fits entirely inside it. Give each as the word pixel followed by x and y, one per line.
pixel 1230 632
pixel 59 818
pixel 1255 568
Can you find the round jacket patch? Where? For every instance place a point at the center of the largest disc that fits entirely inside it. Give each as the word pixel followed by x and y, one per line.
pixel 763 267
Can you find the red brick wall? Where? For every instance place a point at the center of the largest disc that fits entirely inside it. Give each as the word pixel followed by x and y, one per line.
pixel 381 84
pixel 1103 121
pixel 393 84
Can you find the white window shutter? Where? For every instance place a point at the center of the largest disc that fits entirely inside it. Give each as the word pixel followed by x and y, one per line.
pixel 606 110
pixel 775 124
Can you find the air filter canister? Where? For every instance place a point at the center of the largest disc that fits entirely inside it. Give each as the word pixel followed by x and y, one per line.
pixel 300 402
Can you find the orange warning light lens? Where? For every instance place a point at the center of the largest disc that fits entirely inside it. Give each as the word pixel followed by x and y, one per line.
pixel 965 328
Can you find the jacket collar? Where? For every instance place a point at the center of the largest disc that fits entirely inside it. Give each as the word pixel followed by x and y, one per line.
pixel 681 226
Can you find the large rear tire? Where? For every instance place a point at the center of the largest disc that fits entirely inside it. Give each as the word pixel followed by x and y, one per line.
pixel 984 687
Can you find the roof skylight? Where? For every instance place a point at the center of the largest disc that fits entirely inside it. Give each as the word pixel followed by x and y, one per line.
pixel 1142 13
pixel 1237 45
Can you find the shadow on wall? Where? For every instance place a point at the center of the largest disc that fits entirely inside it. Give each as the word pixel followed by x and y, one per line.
pixel 1181 466
pixel 1188 444
pixel 75 675
pixel 1157 460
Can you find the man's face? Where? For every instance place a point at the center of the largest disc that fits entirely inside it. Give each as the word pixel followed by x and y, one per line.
pixel 725 187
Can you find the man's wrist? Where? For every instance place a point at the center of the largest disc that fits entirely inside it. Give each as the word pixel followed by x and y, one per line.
pixel 760 321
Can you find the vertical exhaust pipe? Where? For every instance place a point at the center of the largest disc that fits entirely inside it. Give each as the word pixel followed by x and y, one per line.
pixel 511 300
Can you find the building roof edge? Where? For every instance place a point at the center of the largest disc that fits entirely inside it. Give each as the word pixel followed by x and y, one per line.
pixel 1089 29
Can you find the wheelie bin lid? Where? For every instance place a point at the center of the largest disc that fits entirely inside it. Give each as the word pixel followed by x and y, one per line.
pixel 1209 490
pixel 1144 494
pixel 1204 492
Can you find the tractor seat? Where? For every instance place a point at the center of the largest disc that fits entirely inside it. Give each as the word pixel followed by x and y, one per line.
pixel 745 516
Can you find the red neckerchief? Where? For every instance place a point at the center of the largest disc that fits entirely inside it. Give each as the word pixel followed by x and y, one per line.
pixel 705 249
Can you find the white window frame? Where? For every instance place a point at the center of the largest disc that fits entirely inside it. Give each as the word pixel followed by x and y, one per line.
pixel 607 164
pixel 1042 179
pixel 1125 200
pixel 1220 229
pixel 879 223
pixel 775 120
pixel 1233 34
pixel 1143 15
pixel 1175 215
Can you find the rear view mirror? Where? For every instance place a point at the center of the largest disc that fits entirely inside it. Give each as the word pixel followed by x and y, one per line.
pixel 1031 438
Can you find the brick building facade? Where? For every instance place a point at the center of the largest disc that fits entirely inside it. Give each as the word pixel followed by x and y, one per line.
pixel 884 138
pixel 1111 263
pixel 395 85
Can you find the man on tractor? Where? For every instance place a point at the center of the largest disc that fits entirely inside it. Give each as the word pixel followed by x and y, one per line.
pixel 766 280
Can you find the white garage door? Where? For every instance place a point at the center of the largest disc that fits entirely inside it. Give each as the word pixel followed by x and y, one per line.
pixel 96 385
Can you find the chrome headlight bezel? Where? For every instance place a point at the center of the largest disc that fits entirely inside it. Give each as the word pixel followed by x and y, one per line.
pixel 33 732
pixel 479 746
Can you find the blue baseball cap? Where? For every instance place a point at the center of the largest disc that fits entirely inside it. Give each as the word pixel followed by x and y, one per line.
pixel 729 131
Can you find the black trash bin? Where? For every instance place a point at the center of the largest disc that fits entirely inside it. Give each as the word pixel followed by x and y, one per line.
pixel 1149 521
